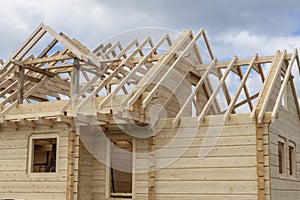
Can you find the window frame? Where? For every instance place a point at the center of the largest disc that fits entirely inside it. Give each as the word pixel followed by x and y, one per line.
pixel 283 163
pixel 41 136
pixel 292 163
pixel 108 169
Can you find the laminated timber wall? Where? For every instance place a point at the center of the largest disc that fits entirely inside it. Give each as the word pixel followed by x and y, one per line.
pixel 229 171
pixel 286 126
pixel 94 180
pixel 15 180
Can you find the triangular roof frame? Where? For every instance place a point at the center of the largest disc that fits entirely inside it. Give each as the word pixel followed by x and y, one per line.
pixel 55 72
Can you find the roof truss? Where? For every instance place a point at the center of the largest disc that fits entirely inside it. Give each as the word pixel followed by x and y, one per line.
pixel 175 82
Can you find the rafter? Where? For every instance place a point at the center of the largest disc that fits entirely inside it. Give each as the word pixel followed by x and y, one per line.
pixel 269 84
pixel 192 95
pixel 215 92
pixel 239 89
pixel 132 72
pixel 156 70
pixel 67 70
pixel 284 84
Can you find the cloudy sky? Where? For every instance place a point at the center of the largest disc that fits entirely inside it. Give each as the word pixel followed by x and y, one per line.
pixel 234 26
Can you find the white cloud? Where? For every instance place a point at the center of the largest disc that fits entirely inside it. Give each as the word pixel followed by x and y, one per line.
pixel 89 21
pixel 92 21
pixel 244 44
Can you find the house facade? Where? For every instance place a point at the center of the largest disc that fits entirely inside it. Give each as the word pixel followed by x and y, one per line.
pixel 150 120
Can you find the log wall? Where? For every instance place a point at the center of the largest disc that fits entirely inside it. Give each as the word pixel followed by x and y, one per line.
pixel 286 127
pixel 16 180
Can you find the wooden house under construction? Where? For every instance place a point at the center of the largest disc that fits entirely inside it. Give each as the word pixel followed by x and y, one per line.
pixel 138 121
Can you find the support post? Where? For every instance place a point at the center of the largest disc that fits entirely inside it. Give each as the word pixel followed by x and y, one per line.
pixel 20 93
pixel 75 79
pixel 151 173
pixel 71 166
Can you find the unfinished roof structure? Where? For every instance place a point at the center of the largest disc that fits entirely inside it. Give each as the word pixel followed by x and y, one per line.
pixel 54 91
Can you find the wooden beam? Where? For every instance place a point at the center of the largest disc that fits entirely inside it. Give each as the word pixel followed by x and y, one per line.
pixel 157 116
pixel 75 79
pixel 151 172
pixel 20 85
pixel 224 86
pixel 95 78
pixel 49 59
pixel 48 48
pixel 26 122
pixel 104 82
pixel 44 121
pixel 156 70
pixel 208 45
pixel 50 91
pixel 215 92
pixel 245 62
pixel 132 73
pixel 27 94
pixel 65 119
pixel 39 70
pixel 239 89
pixel 269 84
pixel 284 85
pixel 27 78
pixel 186 49
pixel 295 97
pixel 80 53
pixel 112 48
pixel 246 91
pixel 8 89
pixel 103 117
pixel 10 124
pixel 246 100
pixel 37 34
pixel 192 95
pixel 35 69
pixel 261 72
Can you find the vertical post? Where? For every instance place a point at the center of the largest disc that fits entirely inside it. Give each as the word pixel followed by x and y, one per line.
pixel 107 169
pixel 71 166
pixel 75 79
pixel 20 85
pixel 133 167
pixel 260 163
pixel 76 166
pixel 151 173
